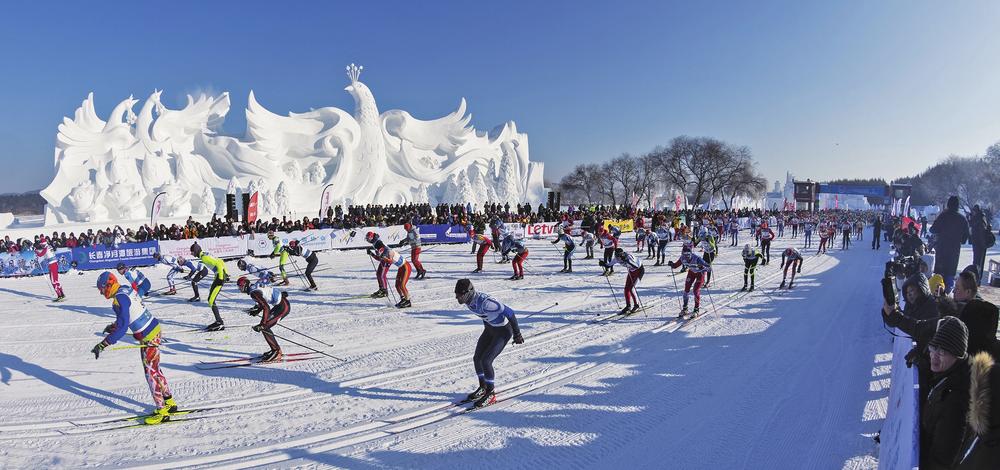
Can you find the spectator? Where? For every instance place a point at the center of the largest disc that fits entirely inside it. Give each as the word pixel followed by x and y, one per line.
pixel 942 419
pixel 979 316
pixel 952 231
pixel 979 230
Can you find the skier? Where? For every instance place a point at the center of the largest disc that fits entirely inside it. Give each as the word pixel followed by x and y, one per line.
pixel 640 239
pixel 495 226
pixel 175 267
pixel 272 305
pixel 413 239
pixel 279 251
pixel 765 234
pixel 781 226
pixel 652 240
pixel 751 257
pixel 484 243
pixel 295 248
pixel 381 272
pixel 663 237
pixel 499 326
pixel 795 226
pixel 824 236
pixel 734 231
pixel 609 242
pixel 388 257
pixel 139 282
pixel 845 230
pixel 568 248
pixel 696 268
pixel 262 274
pixel 132 315
pixel 709 252
pixel 635 273
pixel 807 232
pixel 219 267
pixel 46 254
pixel 198 271
pixel 520 254
pixel 790 258
pixel 588 240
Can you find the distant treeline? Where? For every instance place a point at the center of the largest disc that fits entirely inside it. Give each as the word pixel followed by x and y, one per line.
pixel 29 203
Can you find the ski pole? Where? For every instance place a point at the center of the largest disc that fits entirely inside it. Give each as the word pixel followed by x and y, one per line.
pixel 129 346
pixel 299 273
pixel 607 278
pixel 379 278
pixel 635 292
pixel 307 347
pixel 710 299
pixel 307 336
pixel 673 275
pixel 540 311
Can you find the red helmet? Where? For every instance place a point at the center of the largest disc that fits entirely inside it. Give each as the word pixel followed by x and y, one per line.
pixel 107 284
pixel 407 227
pixel 371 237
pixel 243 283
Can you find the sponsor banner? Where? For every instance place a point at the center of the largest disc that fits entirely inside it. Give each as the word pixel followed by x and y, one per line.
pixel 252 208
pixel 325 200
pixel 154 210
pixel 313 240
pixel 108 257
pixel 25 263
pixel 221 247
pixel 899 435
pixel 443 233
pixel 624 225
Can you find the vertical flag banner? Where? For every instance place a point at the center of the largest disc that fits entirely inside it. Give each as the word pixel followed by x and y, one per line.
pixel 677 202
pixel 325 199
pixel 154 210
pixel 252 208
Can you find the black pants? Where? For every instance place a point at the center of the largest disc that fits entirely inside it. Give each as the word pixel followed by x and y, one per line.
pixel 845 240
pixel 876 240
pixel 608 252
pixel 197 277
pixel 709 257
pixel 490 345
pixel 278 311
pixel 765 249
pixel 311 263
pixel 661 257
pixel 749 268
pixel 979 259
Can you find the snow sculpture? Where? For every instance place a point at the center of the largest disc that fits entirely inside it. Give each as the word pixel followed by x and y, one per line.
pixel 113 169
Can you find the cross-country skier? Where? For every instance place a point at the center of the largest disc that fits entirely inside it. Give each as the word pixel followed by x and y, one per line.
pixel 520 254
pixel 652 240
pixel 751 258
pixel 499 326
pixel 413 239
pixel 484 243
pixel 278 250
pixel 696 269
pixel 47 257
pixel 609 242
pixel 765 234
pixel 709 251
pixel 132 315
pixel 807 232
pixel 382 270
pixel 790 258
pixel 569 246
pixel 260 273
pixel 175 267
pixel 795 226
pixel 295 248
pixel 662 238
pixel 198 271
pixel 391 258
pixel 734 231
pixel 219 267
pixel 845 229
pixel 495 226
pixel 588 240
pixel 824 237
pixel 272 305
pixel 139 282
pixel 635 273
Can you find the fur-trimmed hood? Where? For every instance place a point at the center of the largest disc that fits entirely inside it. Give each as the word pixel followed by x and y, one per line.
pixel 978 417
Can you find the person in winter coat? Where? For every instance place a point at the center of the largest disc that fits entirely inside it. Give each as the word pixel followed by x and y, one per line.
pixel 979 230
pixel 980 449
pixel 942 419
pixel 979 316
pixel 952 230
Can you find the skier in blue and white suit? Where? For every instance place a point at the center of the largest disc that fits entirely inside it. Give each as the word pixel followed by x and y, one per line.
pixel 569 246
pixel 260 273
pixel 499 326
pixel 136 279
pixel 175 267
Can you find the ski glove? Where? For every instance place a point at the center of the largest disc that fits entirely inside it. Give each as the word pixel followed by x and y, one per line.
pixel 602 263
pixel 98 348
pixel 518 339
pixel 109 329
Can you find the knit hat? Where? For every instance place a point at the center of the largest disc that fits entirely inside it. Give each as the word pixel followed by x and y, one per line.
pixel 936 282
pixel 951 336
pixel 953 203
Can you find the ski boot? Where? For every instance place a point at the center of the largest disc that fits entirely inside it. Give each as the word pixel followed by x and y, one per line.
pixel 487 399
pixel 782 286
pixel 625 310
pixel 743 288
pixel 284 282
pixel 158 416
pixel 694 313
pixel 562 270
pixel 684 312
pixel 569 271
pixel 171 404
pixel 519 277
pixel 406 303
pixel 790 285
pixel 477 394
pixel 216 326
pixel 751 287
pixel 195 299
pixel 171 292
pixel 635 308
pixel 477 270
pixel 512 278
pixel 59 298
pixel 379 294
pixel 272 356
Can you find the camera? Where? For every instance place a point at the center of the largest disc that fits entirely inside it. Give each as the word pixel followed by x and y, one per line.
pixel 903 266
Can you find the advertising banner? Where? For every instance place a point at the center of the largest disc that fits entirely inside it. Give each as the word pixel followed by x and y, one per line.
pixel 25 263
pixel 624 225
pixel 108 257
pixel 444 233
pixel 154 210
pixel 252 208
pixel 899 435
pixel 221 247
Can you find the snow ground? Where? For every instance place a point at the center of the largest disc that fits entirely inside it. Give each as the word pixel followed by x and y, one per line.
pixel 770 379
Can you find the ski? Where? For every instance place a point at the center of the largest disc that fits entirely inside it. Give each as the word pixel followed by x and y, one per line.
pixel 252 363
pixel 136 417
pixel 167 420
pixel 252 358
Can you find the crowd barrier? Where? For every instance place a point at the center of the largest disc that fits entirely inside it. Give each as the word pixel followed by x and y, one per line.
pixel 25 263
pixel 900 435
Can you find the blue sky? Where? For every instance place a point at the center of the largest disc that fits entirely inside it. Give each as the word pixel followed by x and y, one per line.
pixel 823 89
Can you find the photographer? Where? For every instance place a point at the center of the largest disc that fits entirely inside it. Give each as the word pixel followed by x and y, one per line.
pixel 917 319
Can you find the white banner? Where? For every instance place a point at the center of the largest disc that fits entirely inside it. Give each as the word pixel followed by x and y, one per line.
pixel 221 247
pixel 899 436
pixel 154 211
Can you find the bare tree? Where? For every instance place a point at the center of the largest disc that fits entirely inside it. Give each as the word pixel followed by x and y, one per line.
pixel 605 184
pixel 581 184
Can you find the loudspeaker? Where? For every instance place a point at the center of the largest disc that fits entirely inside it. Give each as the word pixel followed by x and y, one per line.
pixel 231 206
pixel 246 206
pixel 558 199
pixel 552 199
